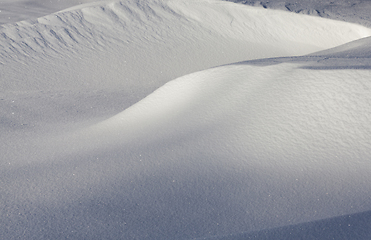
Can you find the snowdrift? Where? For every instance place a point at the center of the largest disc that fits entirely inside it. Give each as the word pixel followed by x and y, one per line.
pixel 123 44
pixel 250 145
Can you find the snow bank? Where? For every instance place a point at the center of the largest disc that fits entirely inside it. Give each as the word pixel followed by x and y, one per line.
pixel 232 149
pixel 123 44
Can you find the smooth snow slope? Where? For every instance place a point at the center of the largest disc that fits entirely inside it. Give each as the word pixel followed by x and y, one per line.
pixel 236 148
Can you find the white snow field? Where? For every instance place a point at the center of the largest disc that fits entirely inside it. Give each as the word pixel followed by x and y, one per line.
pixel 180 119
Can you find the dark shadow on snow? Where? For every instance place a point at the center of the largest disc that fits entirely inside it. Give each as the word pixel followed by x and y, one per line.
pixel 314 62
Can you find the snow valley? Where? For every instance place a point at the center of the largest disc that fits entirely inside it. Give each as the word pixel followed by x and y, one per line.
pixel 181 120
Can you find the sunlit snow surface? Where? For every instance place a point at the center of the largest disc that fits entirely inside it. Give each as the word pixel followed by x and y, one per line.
pixel 184 120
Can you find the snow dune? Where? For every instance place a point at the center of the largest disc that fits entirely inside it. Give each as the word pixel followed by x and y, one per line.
pixel 248 136
pixel 141 40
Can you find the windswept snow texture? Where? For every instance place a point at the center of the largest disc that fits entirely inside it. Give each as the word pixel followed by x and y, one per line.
pixel 180 119
pixel 18 10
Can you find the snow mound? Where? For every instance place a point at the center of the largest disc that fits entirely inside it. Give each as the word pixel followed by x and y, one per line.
pixel 237 148
pixel 356 49
pixel 120 44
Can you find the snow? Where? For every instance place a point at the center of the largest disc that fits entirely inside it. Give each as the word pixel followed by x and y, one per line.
pixel 184 120
pixel 356 11
pixel 18 10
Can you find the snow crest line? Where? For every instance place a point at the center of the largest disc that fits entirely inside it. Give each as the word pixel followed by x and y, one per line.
pixel 88 26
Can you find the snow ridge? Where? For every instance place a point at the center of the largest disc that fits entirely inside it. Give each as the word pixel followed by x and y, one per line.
pixel 87 25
